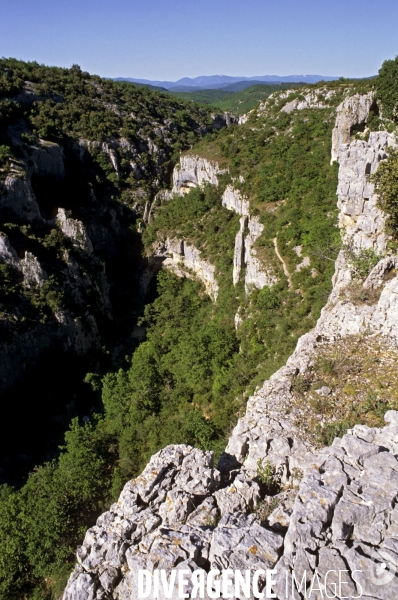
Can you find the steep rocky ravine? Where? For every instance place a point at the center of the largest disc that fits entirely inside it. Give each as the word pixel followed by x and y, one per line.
pixel 81 157
pixel 337 506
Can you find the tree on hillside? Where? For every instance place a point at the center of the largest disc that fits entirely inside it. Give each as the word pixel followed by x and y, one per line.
pixel 388 89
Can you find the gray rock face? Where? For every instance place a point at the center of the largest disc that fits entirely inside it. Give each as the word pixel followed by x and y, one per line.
pixel 46 158
pixel 193 171
pixel 74 230
pixel 257 274
pixel 29 266
pixel 352 112
pixel 232 200
pixel 20 199
pixel 311 99
pixel 185 261
pixel 362 220
pixel 245 254
pixel 223 120
pixel 239 250
pixel 167 519
pixel 345 512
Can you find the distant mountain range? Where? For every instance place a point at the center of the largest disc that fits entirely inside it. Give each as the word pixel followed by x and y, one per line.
pixel 207 82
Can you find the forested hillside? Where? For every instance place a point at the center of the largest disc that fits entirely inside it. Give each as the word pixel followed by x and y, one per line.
pixel 237 102
pixel 142 356
pixel 79 159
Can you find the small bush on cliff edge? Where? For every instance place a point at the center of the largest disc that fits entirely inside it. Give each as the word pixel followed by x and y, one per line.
pixel 387 86
pixel 386 184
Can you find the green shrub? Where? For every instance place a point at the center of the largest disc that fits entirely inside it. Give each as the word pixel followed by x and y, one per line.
pixel 42 523
pixel 5 153
pixel 385 180
pixel 360 261
pixel 267 475
pixel 387 89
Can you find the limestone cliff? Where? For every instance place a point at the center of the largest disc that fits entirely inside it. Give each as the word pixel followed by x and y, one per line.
pixel 193 171
pixel 300 99
pixel 33 192
pixel 352 115
pixel 338 506
pixel 185 261
pixel 245 255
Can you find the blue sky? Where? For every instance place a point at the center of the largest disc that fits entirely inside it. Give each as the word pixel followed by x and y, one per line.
pixel 169 39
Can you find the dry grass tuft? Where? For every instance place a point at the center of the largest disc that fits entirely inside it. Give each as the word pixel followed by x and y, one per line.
pixel 361 375
pixel 357 294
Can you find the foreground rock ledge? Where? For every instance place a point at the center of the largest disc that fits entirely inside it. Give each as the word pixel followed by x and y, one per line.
pixel 182 513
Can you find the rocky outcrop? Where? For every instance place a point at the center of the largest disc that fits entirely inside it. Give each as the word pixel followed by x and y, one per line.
pixel 185 261
pixel 166 519
pixel 48 159
pixel 245 254
pixel 256 275
pixel 338 510
pixel 19 199
pixel 307 98
pixel 193 171
pixel 312 99
pixel 75 230
pixel 44 159
pixel 169 518
pixel 344 517
pixel 232 200
pixel 352 116
pixel 29 266
pixel 360 217
pixel 110 149
pixel 222 120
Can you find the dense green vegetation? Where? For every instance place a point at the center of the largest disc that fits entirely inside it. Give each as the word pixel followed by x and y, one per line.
pixel 386 177
pixel 386 184
pixel 387 89
pixel 42 523
pixel 70 103
pixel 238 103
pixel 175 390
pixel 189 380
pixel 284 160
